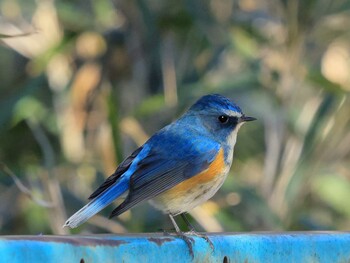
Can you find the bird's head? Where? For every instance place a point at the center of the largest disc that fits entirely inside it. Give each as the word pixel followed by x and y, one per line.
pixel 219 116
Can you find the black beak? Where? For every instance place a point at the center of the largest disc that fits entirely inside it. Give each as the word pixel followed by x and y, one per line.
pixel 245 119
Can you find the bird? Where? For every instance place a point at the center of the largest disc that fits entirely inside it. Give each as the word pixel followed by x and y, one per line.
pixel 180 167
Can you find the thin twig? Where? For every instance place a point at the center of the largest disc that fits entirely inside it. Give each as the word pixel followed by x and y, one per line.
pixel 58 216
pixel 3 36
pixel 23 188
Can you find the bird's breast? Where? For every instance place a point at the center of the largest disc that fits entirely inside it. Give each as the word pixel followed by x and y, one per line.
pixel 214 170
pixel 195 190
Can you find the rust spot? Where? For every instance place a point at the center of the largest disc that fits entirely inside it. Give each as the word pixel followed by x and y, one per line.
pixel 160 241
pixel 75 241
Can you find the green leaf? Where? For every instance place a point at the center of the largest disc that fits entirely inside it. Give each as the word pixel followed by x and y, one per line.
pixel 29 108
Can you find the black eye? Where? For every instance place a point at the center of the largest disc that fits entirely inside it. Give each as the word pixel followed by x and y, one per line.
pixel 223 119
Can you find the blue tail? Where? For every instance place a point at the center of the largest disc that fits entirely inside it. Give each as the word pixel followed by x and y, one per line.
pixel 98 203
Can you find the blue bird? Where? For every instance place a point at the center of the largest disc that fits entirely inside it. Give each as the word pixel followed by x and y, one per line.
pixel 178 168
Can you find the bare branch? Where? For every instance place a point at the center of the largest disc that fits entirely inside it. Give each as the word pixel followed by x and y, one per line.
pixel 25 190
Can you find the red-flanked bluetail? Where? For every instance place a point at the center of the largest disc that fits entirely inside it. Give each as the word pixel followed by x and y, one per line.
pixel 178 168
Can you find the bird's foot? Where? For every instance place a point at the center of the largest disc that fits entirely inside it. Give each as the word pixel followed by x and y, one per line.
pixel 188 240
pixel 204 236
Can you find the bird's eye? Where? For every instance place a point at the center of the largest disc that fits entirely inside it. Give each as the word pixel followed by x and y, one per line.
pixel 223 119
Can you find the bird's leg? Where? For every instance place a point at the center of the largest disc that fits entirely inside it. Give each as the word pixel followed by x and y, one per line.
pixel 189 241
pixel 194 232
pixel 177 229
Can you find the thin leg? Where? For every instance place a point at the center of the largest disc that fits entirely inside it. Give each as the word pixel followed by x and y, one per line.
pixel 177 229
pixel 193 231
pixel 189 225
pixel 181 235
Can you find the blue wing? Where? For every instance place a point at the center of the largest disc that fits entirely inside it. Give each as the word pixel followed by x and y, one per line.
pixel 168 158
pixel 122 168
pixel 173 158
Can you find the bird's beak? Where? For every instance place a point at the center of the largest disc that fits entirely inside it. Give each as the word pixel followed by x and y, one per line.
pixel 246 118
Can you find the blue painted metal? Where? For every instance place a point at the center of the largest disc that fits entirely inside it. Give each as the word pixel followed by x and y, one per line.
pixel 228 247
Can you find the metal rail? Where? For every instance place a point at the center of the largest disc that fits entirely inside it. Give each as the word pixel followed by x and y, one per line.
pixel 226 247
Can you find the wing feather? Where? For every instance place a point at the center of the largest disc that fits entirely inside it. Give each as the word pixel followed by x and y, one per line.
pixel 161 175
pixel 122 168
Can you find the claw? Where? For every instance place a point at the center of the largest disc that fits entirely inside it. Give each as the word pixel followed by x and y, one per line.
pixel 205 237
pixel 188 240
pixel 184 236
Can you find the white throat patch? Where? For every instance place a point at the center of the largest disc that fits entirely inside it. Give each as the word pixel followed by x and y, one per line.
pixel 232 138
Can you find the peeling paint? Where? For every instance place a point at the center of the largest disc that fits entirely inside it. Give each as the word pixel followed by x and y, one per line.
pixel 72 240
pixel 322 247
pixel 160 241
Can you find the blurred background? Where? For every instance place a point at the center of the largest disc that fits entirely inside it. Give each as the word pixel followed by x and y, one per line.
pixel 84 82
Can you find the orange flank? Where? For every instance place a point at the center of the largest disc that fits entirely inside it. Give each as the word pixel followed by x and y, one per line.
pixel 208 175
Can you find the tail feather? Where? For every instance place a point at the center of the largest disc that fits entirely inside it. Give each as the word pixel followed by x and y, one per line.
pixel 97 204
